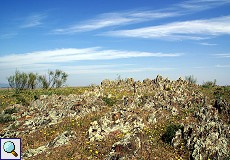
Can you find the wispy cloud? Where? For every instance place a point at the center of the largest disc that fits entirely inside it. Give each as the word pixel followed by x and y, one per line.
pixel 224 55
pixel 7 35
pixel 201 67
pixel 207 44
pixel 222 66
pixel 200 5
pixel 118 68
pixel 137 16
pixel 113 19
pixel 66 55
pixel 194 30
pixel 33 21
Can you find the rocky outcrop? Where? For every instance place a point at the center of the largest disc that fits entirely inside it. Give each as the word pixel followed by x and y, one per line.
pixel 209 138
pixel 133 106
pixel 206 139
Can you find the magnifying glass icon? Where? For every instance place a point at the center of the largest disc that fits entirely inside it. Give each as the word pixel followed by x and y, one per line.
pixel 9 147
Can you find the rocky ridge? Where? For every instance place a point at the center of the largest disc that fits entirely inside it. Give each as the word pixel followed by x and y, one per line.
pixel 137 106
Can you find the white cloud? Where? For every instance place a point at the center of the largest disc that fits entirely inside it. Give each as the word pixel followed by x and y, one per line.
pixel 66 55
pixel 207 44
pixel 64 59
pixel 33 21
pixel 200 67
pixel 114 19
pixel 222 66
pixel 118 68
pixel 135 16
pixel 200 5
pixel 194 30
pixel 7 35
pixel 224 55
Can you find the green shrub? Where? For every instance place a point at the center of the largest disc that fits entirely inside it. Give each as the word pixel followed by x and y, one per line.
pixel 21 100
pixel 10 111
pixel 35 97
pixel 55 79
pixel 209 84
pixel 170 132
pixel 191 79
pixel 4 118
pixel 21 80
pixel 109 101
pixel 18 81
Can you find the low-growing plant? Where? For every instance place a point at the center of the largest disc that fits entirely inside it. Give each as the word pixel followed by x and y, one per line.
pixel 170 132
pixel 109 101
pixel 209 84
pixel 21 100
pixel 4 118
pixel 10 111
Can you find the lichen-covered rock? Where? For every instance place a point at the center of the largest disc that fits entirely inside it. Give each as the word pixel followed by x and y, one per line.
pixel 209 138
pixel 62 139
pixel 177 140
pixel 33 152
pixel 122 121
pixel 152 118
pixel 125 148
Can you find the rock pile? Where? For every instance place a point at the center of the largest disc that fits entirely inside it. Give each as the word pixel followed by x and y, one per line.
pixel 47 111
pixel 205 136
pixel 119 123
pixel 209 138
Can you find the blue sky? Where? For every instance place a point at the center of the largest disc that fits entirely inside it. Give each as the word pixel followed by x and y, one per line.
pixel 92 40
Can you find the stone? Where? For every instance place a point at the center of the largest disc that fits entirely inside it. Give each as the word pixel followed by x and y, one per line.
pixel 208 138
pixel 62 139
pixel 77 107
pixel 176 141
pixel 43 97
pixel 33 152
pixel 152 118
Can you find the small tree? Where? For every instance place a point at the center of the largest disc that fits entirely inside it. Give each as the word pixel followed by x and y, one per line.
pixel 32 80
pixel 18 81
pixel 191 79
pixel 21 80
pixel 209 84
pixel 11 81
pixel 43 82
pixel 53 80
pixel 118 77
